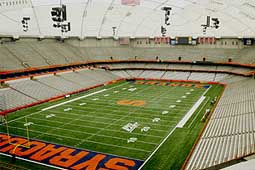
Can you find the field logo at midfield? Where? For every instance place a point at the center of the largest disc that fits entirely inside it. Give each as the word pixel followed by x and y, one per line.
pixel 131 102
pixel 173 84
pixel 65 157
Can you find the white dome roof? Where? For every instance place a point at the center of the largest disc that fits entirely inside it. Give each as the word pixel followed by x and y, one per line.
pixel 97 17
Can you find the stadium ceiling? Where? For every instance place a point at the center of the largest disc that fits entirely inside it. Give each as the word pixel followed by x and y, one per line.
pixel 127 18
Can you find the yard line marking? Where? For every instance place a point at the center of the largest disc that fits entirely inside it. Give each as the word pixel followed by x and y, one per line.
pixel 27 160
pixel 105 113
pixel 96 116
pixel 207 90
pixel 115 120
pixel 199 112
pixel 157 148
pixel 105 119
pixel 110 106
pixel 145 109
pixel 188 115
pixel 90 141
pixel 170 133
pixel 24 117
pixel 77 131
pixel 42 111
pixel 192 110
pixel 75 99
pixel 147 97
pixel 95 122
pixel 59 126
pixel 115 111
pixel 110 102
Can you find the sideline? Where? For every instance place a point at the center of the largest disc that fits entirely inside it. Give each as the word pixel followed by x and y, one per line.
pixel 157 148
pixel 38 163
pixel 63 102
pixel 170 133
pixel 75 99
pixel 190 112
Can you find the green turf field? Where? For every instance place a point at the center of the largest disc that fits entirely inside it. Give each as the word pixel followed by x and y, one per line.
pixel 94 121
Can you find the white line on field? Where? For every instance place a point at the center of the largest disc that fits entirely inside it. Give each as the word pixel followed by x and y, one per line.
pixel 207 90
pixel 110 114
pixel 89 141
pixel 70 101
pixel 113 106
pixel 78 98
pixel 157 148
pixel 107 118
pixel 190 112
pixel 89 121
pixel 199 112
pixel 50 106
pixel 193 109
pixel 170 133
pixel 27 160
pixel 100 135
pixel 96 127
pixel 112 110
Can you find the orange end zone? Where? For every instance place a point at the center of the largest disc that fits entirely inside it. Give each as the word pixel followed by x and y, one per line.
pixel 58 156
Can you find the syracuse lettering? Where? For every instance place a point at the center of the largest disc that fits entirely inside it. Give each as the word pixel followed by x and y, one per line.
pixel 65 157
pixel 162 83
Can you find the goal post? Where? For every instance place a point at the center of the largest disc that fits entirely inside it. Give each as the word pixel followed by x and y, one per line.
pixel 2 119
pixel 7 126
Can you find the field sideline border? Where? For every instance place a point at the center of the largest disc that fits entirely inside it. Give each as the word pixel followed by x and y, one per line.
pixel 111 82
pixel 170 133
pixel 193 109
pixel 6 112
pixel 27 160
pixel 54 98
pixel 72 100
pixel 65 102
pixel 202 130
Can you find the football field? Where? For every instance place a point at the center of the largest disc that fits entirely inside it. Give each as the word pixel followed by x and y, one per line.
pixel 129 119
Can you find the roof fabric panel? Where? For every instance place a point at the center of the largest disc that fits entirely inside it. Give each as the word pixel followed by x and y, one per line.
pixel 133 18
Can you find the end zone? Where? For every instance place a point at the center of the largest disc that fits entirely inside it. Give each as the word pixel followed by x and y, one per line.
pixel 59 157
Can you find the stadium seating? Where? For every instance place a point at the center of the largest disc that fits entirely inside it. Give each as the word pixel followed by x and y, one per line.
pixel 25 54
pixel 232 79
pixel 28 53
pixel 230 132
pixel 177 66
pixel 59 83
pixel 48 51
pixel 203 67
pixel 202 76
pixel 103 76
pixel 234 69
pixel 35 89
pixel 134 73
pixel 10 99
pixel 124 74
pixel 176 75
pixel 26 91
pixel 8 61
pixel 151 74
pixel 80 77
pixel 220 77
